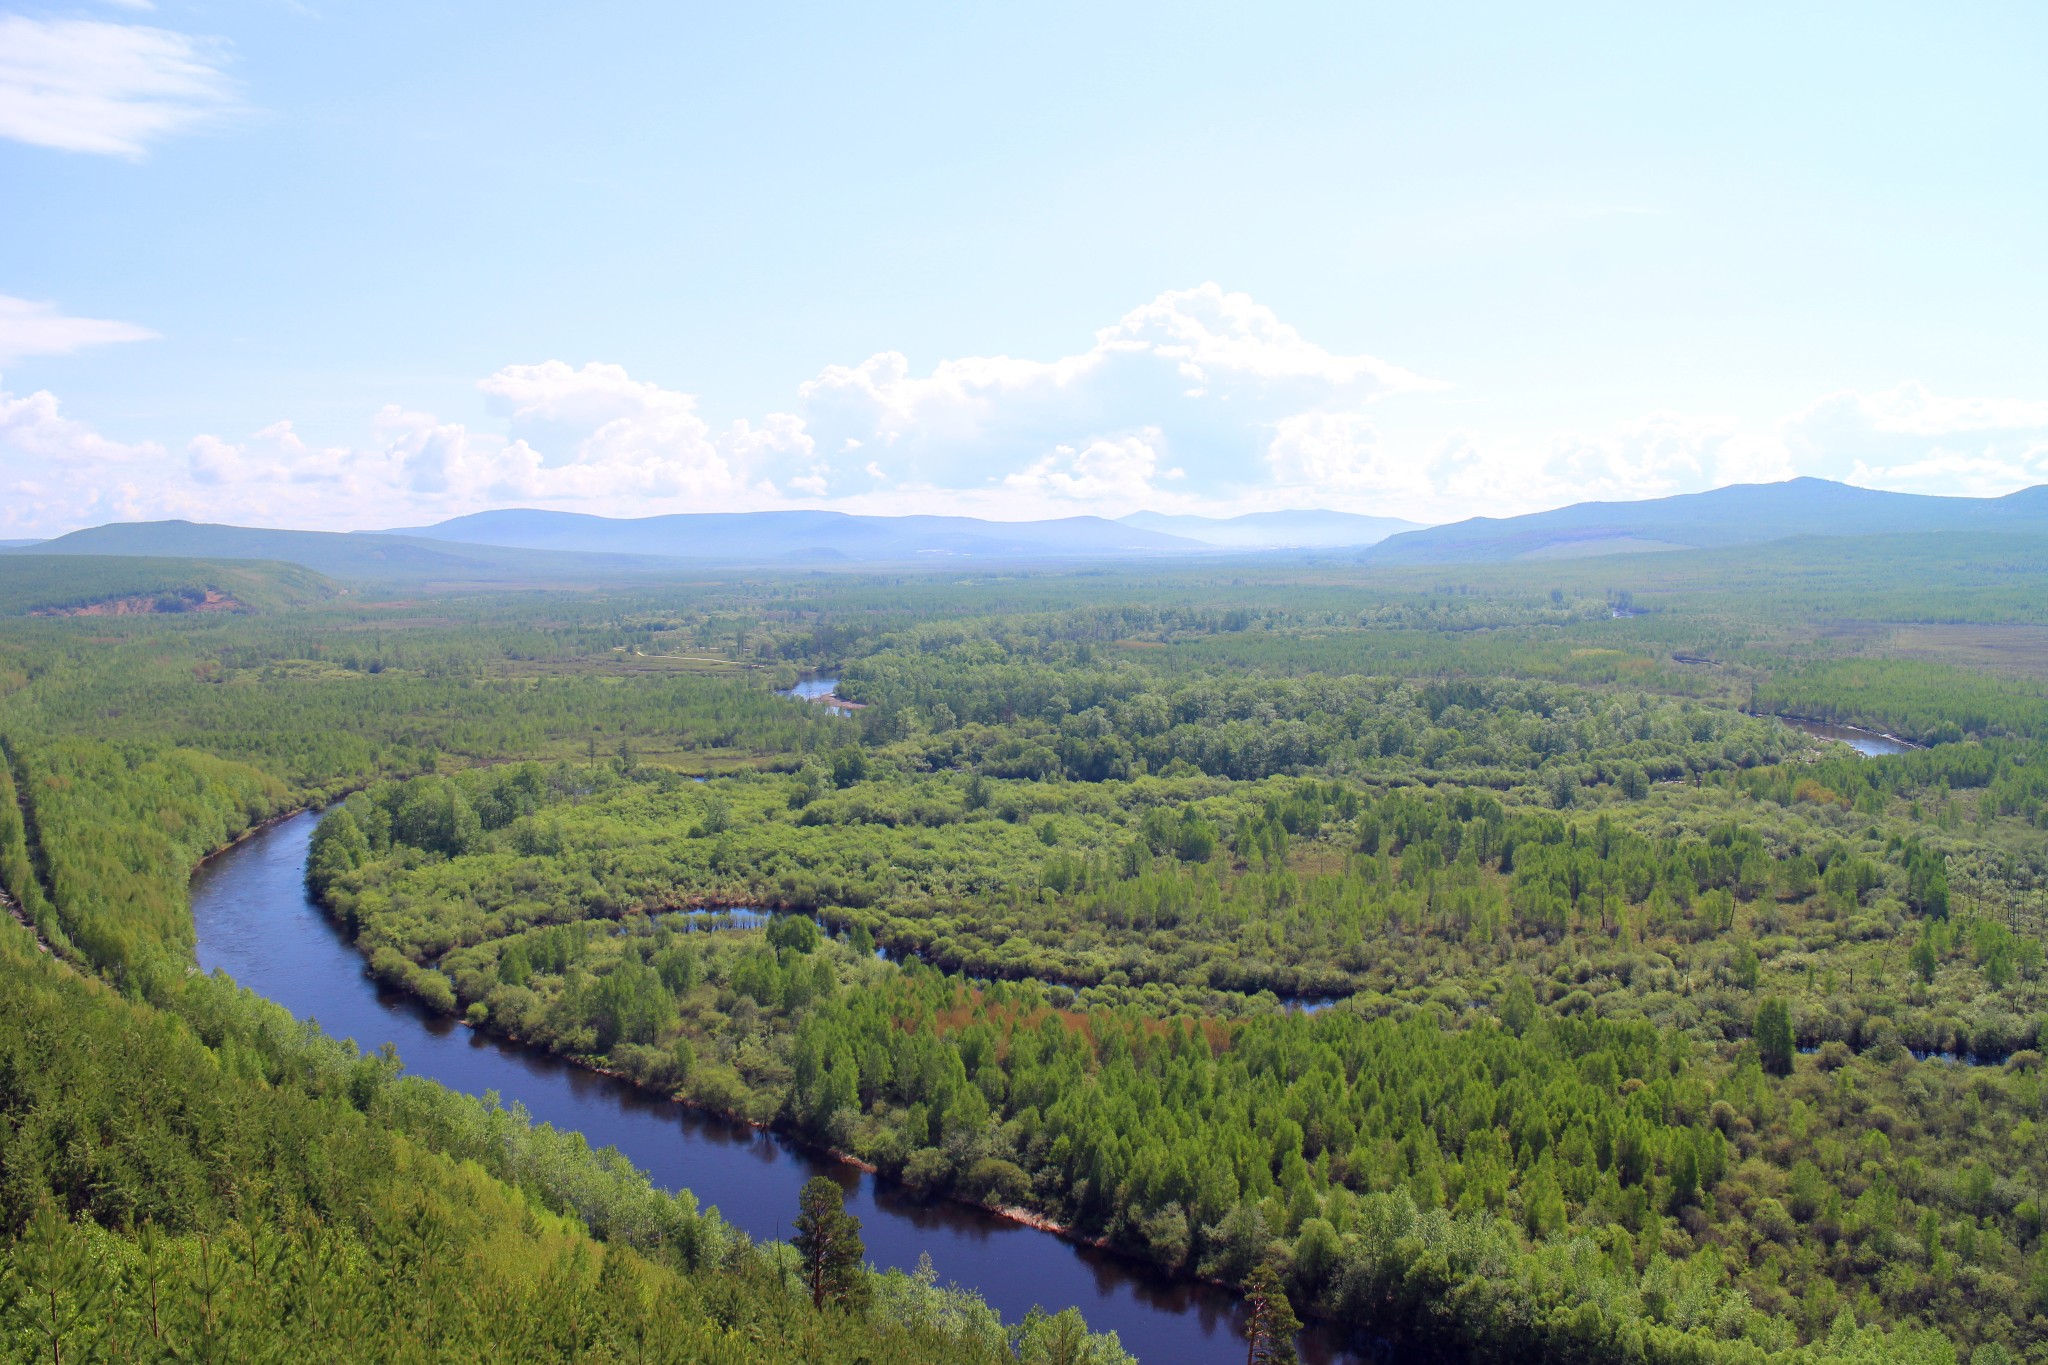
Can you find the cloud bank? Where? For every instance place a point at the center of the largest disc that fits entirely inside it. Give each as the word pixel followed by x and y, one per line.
pixel 83 85
pixel 28 328
pixel 1199 400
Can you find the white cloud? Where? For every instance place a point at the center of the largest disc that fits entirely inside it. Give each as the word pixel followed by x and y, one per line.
pixel 1909 439
pixel 1123 470
pixel 29 328
pixel 1468 473
pixel 1338 452
pixel 84 85
pixel 34 427
pixel 59 473
pixel 596 432
pixel 1201 376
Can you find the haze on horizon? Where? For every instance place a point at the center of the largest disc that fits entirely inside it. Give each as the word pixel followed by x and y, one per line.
pixel 347 268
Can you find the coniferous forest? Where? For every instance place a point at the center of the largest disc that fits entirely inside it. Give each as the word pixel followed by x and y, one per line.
pixel 1473 960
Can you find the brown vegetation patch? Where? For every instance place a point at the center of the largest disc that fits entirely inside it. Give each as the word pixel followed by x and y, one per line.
pixel 148 604
pixel 2009 648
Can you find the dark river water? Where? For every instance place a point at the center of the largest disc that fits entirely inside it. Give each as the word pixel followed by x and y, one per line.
pixel 256 923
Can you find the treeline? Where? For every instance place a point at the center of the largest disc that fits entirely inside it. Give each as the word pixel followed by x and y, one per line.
pixel 1298 886
pixel 1065 711
pixel 329 728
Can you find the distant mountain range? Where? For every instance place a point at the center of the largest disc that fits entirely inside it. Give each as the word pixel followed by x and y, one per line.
pixel 534 546
pixel 338 554
pixel 1302 530
pixel 530 546
pixel 805 536
pixel 1740 514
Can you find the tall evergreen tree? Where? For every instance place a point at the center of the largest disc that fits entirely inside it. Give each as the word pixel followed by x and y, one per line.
pixel 1774 1036
pixel 828 1245
pixel 1271 1323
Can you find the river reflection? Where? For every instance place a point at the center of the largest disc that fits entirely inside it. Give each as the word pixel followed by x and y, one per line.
pixel 255 921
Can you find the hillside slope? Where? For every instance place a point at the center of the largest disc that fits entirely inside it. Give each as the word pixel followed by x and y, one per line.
pixel 106 585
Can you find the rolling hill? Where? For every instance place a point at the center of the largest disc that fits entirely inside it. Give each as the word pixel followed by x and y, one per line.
pixel 1291 530
pixel 1740 514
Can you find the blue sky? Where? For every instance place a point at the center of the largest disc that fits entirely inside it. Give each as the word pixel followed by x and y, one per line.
pixel 362 265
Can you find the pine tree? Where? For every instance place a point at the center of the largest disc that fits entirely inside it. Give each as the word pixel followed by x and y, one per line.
pixel 1271 1324
pixel 828 1245
pixel 1774 1043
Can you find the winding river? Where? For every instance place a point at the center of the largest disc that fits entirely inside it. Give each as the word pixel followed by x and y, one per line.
pixel 255 922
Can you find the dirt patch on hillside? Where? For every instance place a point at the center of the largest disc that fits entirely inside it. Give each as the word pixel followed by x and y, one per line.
pixel 152 604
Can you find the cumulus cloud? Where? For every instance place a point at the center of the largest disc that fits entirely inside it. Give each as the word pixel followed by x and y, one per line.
pixel 595 432
pixel 1126 469
pixel 29 328
pixel 1466 472
pixel 1339 452
pixel 1201 377
pixel 1911 439
pixel 84 85
pixel 55 471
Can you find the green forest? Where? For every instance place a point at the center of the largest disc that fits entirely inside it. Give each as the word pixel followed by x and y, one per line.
pixel 1469 959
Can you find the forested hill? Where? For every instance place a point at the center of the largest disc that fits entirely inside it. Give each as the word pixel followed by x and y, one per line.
pixel 1741 514
pixel 103 585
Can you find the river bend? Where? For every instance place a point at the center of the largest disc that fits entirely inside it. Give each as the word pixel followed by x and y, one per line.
pixel 256 922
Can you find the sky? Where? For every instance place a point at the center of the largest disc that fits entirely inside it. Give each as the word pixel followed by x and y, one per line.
pixel 350 266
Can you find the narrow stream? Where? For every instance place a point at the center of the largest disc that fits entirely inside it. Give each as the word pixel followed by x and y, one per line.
pixel 256 922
